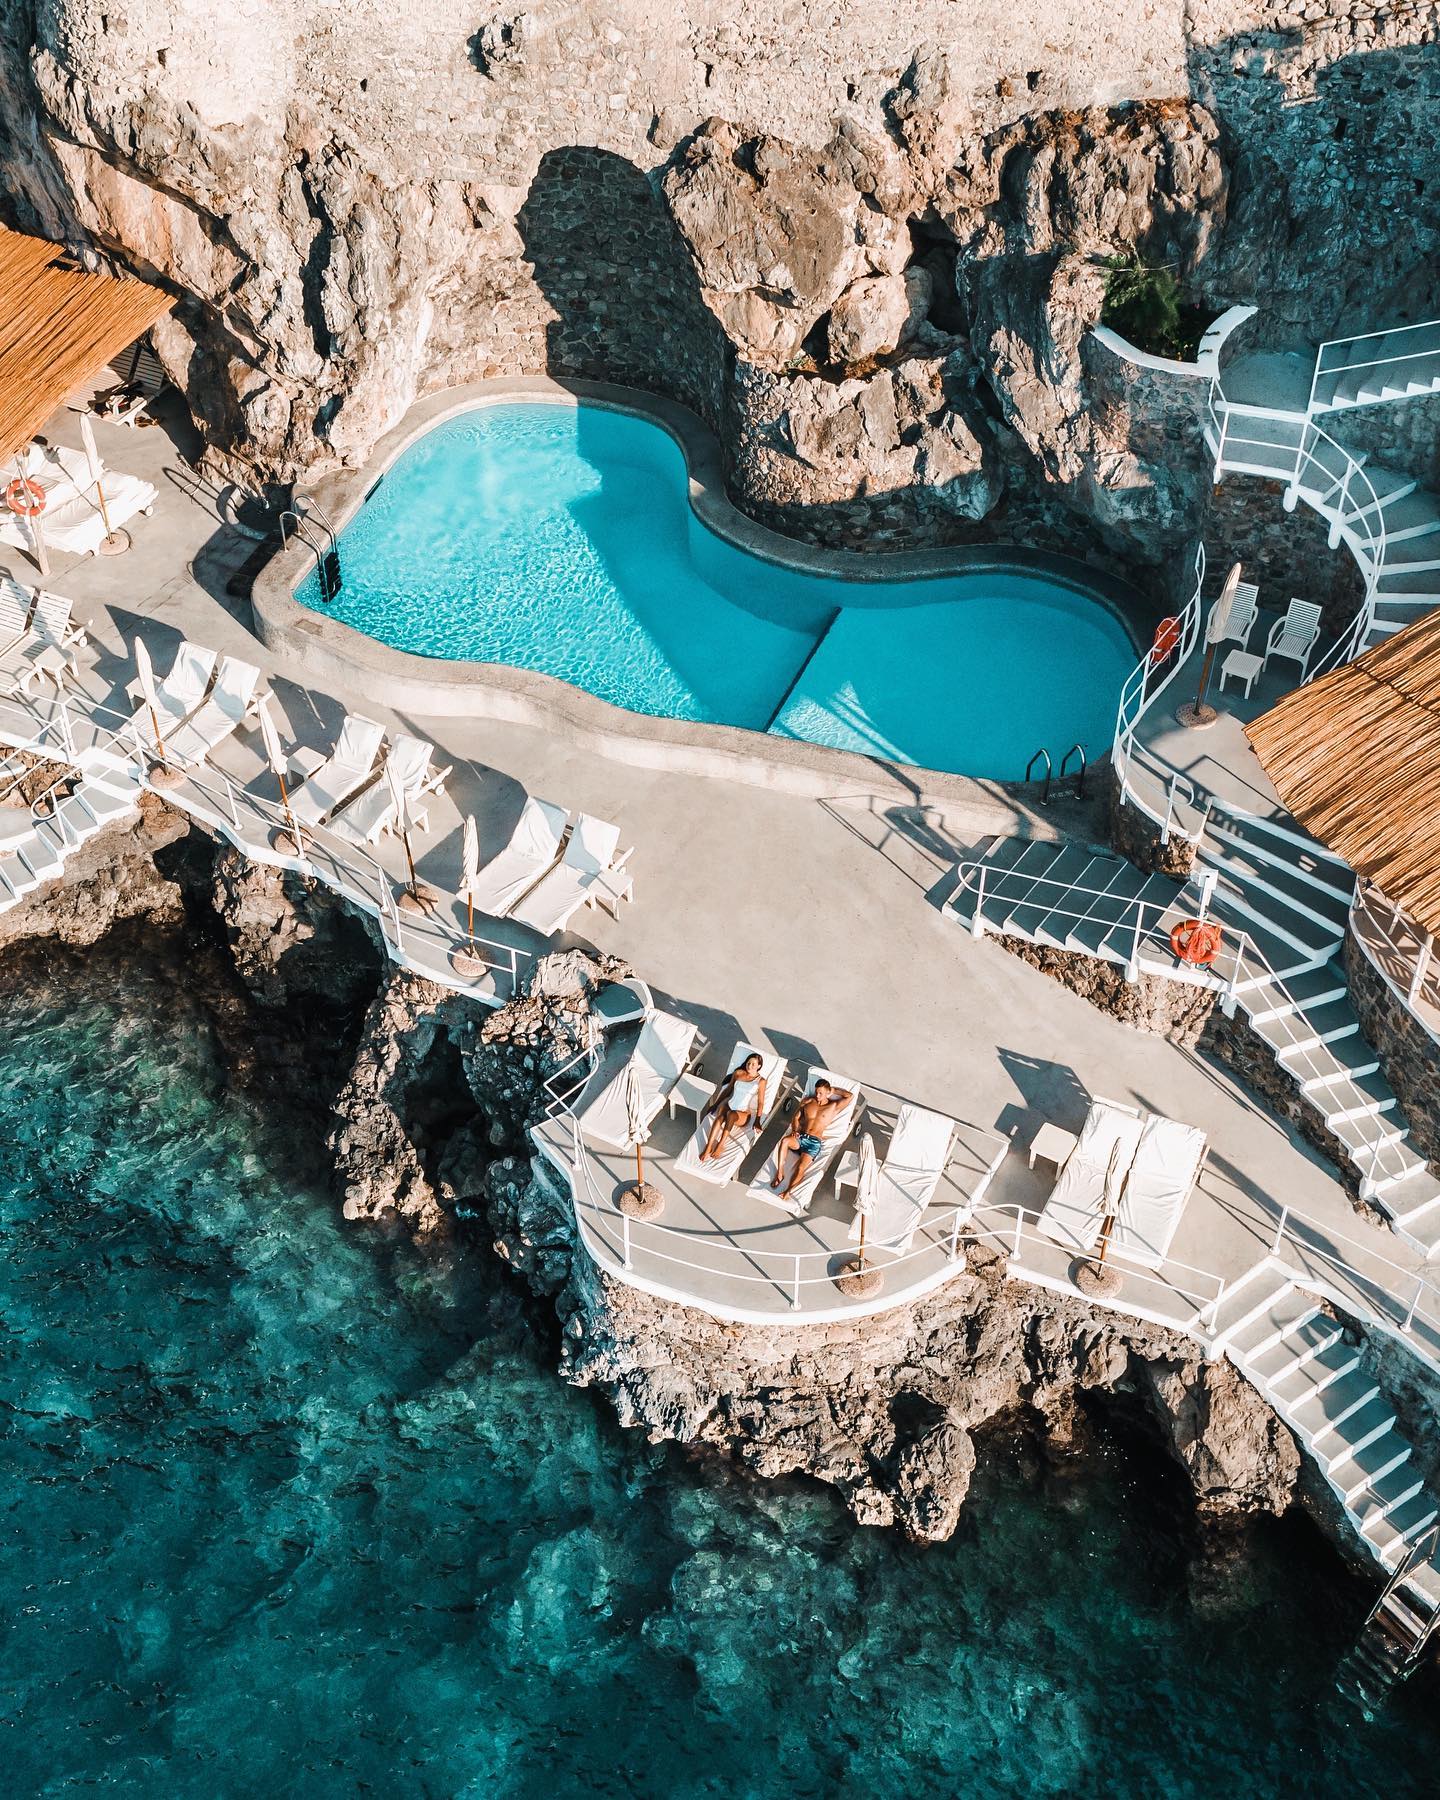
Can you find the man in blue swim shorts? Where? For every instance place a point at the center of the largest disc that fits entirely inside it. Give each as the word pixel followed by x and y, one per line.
pixel 804 1141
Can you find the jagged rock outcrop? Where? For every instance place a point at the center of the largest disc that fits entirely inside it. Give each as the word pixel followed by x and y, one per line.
pixel 291 937
pixel 1238 1455
pixel 111 878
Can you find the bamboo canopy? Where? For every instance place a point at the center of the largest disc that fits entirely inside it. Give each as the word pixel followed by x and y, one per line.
pixel 1356 758
pixel 59 326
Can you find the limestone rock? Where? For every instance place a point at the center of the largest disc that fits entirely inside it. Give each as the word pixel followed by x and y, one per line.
pixel 291 937
pixel 1237 1453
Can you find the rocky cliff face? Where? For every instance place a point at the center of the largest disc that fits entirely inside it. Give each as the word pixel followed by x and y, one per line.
pixel 860 242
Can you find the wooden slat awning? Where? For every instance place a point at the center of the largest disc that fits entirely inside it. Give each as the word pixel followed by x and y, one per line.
pixel 59 326
pixel 1356 758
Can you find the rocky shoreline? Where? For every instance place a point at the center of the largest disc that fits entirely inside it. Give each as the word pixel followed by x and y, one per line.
pixel 427 1097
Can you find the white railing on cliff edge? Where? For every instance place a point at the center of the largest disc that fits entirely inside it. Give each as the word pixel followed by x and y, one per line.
pixel 66 731
pixel 1130 757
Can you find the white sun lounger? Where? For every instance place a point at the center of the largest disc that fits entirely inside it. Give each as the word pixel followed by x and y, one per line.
pixel 46 644
pixel 908 1178
pixel 371 814
pixel 178 694
pixel 663 1052
pixel 345 770
pixel 73 523
pixel 726 1165
pixel 531 852
pixel 1164 1170
pixel 588 855
pixel 16 605
pixel 1075 1211
pixel 800 1196
pixel 145 379
pixel 229 703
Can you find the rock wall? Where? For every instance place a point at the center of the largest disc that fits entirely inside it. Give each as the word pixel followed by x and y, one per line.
pixel 1409 1055
pixel 860 240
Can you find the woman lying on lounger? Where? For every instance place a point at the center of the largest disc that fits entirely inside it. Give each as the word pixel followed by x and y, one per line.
pixel 738 1102
pixel 804 1140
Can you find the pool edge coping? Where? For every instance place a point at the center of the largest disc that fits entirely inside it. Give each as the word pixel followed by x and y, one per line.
pixel 438 688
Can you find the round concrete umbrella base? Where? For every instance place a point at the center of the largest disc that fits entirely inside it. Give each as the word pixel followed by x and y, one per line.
pixel 284 842
pixel 1196 718
pixel 641 1200
pixel 419 899
pixel 161 775
pixel 859 1280
pixel 1100 1281
pixel 467 963
pixel 116 544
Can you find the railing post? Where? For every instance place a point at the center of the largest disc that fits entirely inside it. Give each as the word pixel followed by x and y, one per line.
pixel 977 923
pixel 1415 1302
pixel 1280 1230
pixel 795 1289
pixel 955 1236
pixel 625 1236
pixel 1169 811
pixel 1230 998
pixel 1019 1227
pixel 1422 964
pixel 1132 966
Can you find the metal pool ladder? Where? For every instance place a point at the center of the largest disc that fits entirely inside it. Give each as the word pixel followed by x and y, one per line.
pixel 326 550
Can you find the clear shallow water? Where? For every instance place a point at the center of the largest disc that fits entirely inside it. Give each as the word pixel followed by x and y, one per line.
pixel 289 1511
pixel 561 539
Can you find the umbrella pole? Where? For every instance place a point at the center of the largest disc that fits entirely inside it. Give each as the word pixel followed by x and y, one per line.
pixel 289 816
pixel 104 510
pixel 639 1163
pixel 862 1240
pixel 470 918
pixel 159 741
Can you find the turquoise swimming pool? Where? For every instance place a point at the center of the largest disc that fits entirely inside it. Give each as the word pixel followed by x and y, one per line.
pixel 561 539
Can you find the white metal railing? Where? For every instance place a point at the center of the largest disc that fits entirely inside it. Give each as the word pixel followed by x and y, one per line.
pixel 1146 682
pixel 1405 956
pixel 1403 1301
pixel 1241 974
pixel 1327 363
pixel 79 734
pixel 1327 477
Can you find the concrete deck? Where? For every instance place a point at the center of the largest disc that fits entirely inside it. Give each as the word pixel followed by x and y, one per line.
pixel 814 926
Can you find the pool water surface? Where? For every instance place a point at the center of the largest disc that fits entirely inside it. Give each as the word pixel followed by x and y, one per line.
pixel 560 539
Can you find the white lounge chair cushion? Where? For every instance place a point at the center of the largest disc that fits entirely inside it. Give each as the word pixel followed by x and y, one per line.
pixel 181 691
pixel 342 772
pixel 220 715
pixel 908 1178
pixel 1162 1174
pixel 533 847
pixel 588 855
pixel 1075 1210
pixel 659 1060
pixel 803 1193
pixel 724 1167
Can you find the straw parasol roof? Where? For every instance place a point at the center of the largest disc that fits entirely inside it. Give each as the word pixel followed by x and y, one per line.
pixel 1356 758
pixel 59 326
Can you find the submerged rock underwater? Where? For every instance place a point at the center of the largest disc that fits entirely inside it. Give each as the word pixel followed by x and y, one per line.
pixel 289 1507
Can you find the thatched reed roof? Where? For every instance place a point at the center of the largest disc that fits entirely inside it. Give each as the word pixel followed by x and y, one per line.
pixel 1356 758
pixel 58 328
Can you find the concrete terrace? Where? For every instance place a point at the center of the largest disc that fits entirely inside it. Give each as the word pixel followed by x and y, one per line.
pixel 813 926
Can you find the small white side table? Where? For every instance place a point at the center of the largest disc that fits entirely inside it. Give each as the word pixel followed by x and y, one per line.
pixel 847 1170
pixel 610 889
pixel 690 1091
pixel 1052 1144
pixel 1243 666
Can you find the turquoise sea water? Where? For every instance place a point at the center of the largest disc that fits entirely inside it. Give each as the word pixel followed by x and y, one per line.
pixel 561 539
pixel 288 1510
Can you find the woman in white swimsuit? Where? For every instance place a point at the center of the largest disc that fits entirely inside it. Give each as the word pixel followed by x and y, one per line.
pixel 739 1101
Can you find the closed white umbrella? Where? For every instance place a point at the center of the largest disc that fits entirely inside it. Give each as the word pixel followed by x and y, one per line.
pixel 1099 1278
pixel 1201 713
pixel 854 1277
pixel 145 670
pixel 275 756
pixel 463 958
pixel 643 1200
pixel 115 541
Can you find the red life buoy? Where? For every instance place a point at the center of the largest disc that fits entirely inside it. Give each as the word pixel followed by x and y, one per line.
pixel 1167 636
pixel 1195 942
pixel 25 497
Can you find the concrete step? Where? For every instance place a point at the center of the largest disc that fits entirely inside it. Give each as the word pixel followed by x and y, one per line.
pixel 1062 883
pixel 1302 870
pixel 1340 1422
pixel 1391 1528
pixel 1382 1454
pixel 1257 1288
pixel 1404 582
pixel 1296 908
pixel 1415 515
pixel 1327 1024
pixel 1277 1316
pixel 1327 1357
pixel 1305 991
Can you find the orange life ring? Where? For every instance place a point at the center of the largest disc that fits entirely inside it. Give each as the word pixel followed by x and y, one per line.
pixel 1167 636
pixel 25 497
pixel 1195 942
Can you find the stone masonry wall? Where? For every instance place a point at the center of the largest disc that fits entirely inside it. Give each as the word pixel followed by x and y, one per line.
pixel 1408 1054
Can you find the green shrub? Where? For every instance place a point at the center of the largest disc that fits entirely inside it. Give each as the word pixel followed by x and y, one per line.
pixel 1142 303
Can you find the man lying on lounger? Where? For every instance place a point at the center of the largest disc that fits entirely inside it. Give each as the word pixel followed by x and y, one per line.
pixel 812 1119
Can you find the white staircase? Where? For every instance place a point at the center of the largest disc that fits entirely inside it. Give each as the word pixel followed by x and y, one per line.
pixel 106 793
pixel 1378 366
pixel 1285 1341
pixel 1281 903
pixel 1264 413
